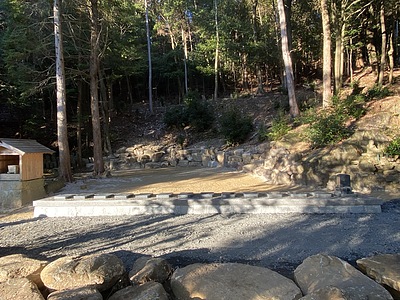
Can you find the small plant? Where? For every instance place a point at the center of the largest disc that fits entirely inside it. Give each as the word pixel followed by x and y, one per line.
pixel 393 148
pixel 235 127
pixel 352 106
pixel 176 117
pixel 280 126
pixel 195 113
pixel 329 129
pixel 377 92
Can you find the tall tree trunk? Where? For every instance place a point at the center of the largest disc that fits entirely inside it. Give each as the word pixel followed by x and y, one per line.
pixel 391 58
pixel 294 109
pixel 62 128
pixel 382 66
pixel 94 93
pixel 149 58
pixel 105 112
pixel 216 51
pixel 79 125
pixel 327 64
pixel 185 57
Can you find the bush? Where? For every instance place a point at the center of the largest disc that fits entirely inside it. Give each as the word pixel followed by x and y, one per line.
pixel 195 112
pixel 235 127
pixel 280 126
pixel 393 148
pixel 352 106
pixel 329 129
pixel 176 117
pixel 377 92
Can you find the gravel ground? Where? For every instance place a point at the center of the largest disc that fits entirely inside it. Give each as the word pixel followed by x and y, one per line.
pixel 277 241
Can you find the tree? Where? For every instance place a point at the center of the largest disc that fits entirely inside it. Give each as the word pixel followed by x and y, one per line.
pixel 149 57
pixel 62 125
pixel 327 66
pixel 94 93
pixel 216 57
pixel 294 109
pixel 382 65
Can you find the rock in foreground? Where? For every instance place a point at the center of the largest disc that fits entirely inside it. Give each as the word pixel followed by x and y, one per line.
pixel 100 271
pixel 231 281
pixel 319 272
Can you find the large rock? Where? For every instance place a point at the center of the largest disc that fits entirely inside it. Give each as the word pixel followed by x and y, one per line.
pixel 326 293
pixel 100 271
pixel 19 289
pixel 84 293
pixel 150 269
pixel 322 271
pixel 147 291
pixel 231 281
pixel 384 268
pixel 20 266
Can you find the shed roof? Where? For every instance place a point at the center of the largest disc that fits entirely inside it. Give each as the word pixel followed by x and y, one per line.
pixel 22 146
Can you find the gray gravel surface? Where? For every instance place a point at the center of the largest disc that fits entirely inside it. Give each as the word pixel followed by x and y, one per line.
pixel 277 241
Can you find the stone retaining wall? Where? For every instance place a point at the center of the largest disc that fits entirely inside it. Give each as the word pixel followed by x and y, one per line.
pixel 364 161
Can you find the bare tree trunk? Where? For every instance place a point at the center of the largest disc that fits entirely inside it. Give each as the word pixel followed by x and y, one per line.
pixel 94 94
pixel 294 109
pixel 391 58
pixel 62 128
pixel 382 66
pixel 185 57
pixel 327 64
pixel 149 59
pixel 216 51
pixel 79 125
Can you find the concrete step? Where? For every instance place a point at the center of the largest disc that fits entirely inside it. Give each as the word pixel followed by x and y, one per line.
pixel 71 205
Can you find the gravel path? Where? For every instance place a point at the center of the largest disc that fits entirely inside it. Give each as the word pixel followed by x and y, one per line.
pixel 277 241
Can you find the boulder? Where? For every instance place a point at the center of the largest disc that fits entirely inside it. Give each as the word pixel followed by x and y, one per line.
pixel 19 288
pixel 231 281
pixel 150 269
pixel 147 291
pixel 100 271
pixel 384 268
pixel 84 293
pixel 321 271
pixel 20 266
pixel 326 293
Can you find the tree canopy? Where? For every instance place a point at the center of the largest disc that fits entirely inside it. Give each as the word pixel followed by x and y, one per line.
pixel 184 38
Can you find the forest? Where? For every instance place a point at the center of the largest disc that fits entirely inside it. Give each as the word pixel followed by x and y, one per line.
pixel 67 67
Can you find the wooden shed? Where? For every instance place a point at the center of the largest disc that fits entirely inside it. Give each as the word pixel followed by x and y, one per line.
pixel 21 172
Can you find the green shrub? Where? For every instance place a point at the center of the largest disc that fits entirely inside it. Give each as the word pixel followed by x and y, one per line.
pixel 235 127
pixel 308 116
pixel 328 129
pixel 176 117
pixel 195 112
pixel 377 92
pixel 352 106
pixel 393 148
pixel 280 126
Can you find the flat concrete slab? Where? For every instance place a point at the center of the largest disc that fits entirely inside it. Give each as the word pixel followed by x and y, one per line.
pixel 204 203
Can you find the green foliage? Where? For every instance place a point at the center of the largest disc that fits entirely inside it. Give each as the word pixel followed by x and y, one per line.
pixel 176 117
pixel 352 106
pixel 235 127
pixel 393 148
pixel 330 128
pixel 195 112
pixel 280 126
pixel 377 92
